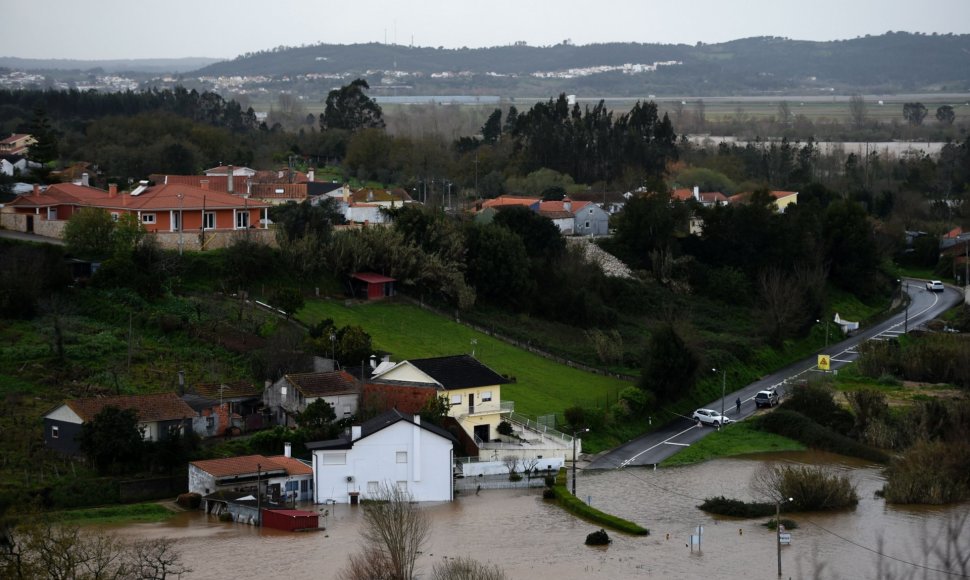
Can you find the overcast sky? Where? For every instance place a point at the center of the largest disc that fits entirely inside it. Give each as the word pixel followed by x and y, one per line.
pixel 112 29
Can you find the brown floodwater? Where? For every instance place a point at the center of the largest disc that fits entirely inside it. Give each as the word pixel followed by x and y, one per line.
pixel 528 537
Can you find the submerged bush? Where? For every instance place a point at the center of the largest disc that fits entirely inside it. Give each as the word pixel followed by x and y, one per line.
pixel 809 487
pixel 600 538
pixel 723 506
pixel 930 473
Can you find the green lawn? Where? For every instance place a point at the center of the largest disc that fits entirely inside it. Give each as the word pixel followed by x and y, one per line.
pixel 735 439
pixel 139 512
pixel 406 331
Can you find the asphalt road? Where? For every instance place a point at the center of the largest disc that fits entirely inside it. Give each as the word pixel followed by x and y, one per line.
pixel 680 432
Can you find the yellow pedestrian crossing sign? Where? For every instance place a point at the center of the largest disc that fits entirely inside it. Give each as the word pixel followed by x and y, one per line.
pixel 824 362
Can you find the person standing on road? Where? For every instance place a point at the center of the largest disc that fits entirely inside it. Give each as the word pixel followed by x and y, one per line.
pixel 738 405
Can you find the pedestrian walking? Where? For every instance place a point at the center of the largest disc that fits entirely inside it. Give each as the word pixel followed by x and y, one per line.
pixel 738 405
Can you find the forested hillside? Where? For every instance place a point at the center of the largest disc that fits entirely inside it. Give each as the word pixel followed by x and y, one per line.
pixel 893 62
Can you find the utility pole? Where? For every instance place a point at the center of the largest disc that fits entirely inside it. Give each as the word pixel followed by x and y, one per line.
pixel 575 433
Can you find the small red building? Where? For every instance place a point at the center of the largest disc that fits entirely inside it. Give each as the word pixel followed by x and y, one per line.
pixel 374 286
pixel 290 520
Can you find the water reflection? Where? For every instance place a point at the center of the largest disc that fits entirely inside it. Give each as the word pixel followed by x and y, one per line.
pixel 525 536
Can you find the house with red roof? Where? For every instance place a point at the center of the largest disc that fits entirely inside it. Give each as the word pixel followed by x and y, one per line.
pixel 158 416
pixel 160 209
pixel 16 144
pixel 276 477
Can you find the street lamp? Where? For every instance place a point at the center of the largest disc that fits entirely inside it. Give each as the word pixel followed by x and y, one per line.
pixel 826 331
pixel 180 196
pixel 723 385
pixel 575 433
pixel 778 528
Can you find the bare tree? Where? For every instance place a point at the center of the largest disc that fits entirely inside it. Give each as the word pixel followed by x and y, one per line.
pixel 463 568
pixel 857 111
pixel 783 307
pixel 511 462
pixel 394 531
pixel 156 560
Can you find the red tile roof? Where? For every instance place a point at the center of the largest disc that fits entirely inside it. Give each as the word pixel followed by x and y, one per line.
pixel 323 384
pixel 371 278
pixel 278 190
pixel 504 200
pixel 292 466
pixel 242 465
pixel 574 206
pixel 157 407
pixel 229 390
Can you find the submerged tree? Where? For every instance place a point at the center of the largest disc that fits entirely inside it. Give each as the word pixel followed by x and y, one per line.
pixel 394 530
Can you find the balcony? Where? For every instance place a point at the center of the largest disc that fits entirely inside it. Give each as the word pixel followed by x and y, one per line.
pixel 479 409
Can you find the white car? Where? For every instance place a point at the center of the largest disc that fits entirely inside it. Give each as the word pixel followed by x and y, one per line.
pixel 711 417
pixel 934 286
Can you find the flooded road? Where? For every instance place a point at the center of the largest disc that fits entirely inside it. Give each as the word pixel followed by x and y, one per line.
pixel 528 537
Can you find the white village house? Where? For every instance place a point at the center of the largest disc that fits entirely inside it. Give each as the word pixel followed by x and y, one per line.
pixel 390 450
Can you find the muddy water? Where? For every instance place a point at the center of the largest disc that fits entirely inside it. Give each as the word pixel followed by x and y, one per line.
pixel 528 537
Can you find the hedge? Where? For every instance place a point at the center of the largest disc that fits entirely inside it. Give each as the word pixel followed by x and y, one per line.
pixel 800 428
pixel 575 506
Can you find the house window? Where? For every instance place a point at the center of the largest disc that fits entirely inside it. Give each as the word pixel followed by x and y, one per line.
pixel 209 220
pixel 587 225
pixel 147 218
pixel 402 456
pixel 590 211
pixel 486 396
pixel 54 432
pixel 346 409
pixel 177 221
pixel 373 487
pixel 51 213
pixel 456 399
pixel 210 422
pixel 333 458
pixel 242 220
pixel 283 391
pixel 114 216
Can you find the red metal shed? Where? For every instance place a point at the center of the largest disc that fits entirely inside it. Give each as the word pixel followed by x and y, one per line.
pixel 290 520
pixel 376 285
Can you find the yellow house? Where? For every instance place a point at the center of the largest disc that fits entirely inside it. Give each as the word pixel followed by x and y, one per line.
pixel 473 390
pixel 783 199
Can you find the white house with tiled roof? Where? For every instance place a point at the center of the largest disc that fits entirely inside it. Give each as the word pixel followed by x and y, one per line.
pixel 391 450
pixel 280 477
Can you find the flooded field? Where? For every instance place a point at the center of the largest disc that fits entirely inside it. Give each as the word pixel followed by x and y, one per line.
pixel 528 537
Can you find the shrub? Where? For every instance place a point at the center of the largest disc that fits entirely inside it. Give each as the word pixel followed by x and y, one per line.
pixel 789 524
pixel 934 472
pixel 816 400
pixel 548 493
pixel 504 428
pixel 723 506
pixel 810 487
pixel 600 538
pixel 574 505
pixel 801 428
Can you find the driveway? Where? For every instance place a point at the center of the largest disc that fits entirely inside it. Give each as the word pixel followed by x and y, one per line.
pixel 680 432
pixel 12 235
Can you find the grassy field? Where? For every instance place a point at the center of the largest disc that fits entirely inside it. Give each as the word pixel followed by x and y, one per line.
pixel 541 386
pixel 139 512
pixel 735 439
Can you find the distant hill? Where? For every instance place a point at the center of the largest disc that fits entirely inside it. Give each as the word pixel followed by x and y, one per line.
pixel 892 62
pixel 144 65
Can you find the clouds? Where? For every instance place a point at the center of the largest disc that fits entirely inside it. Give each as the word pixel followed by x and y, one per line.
pixel 103 29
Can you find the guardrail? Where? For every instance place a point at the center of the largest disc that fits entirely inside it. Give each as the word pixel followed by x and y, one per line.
pixel 545 430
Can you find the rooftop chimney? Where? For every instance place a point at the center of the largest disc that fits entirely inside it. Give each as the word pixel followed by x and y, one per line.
pixel 417 419
pixel 36 189
pixel 287 449
pixel 567 205
pixel 309 175
pixel 229 179
pixel 697 193
pixel 112 190
pixel 204 184
pixel 355 432
pixel 373 362
pixel 85 180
